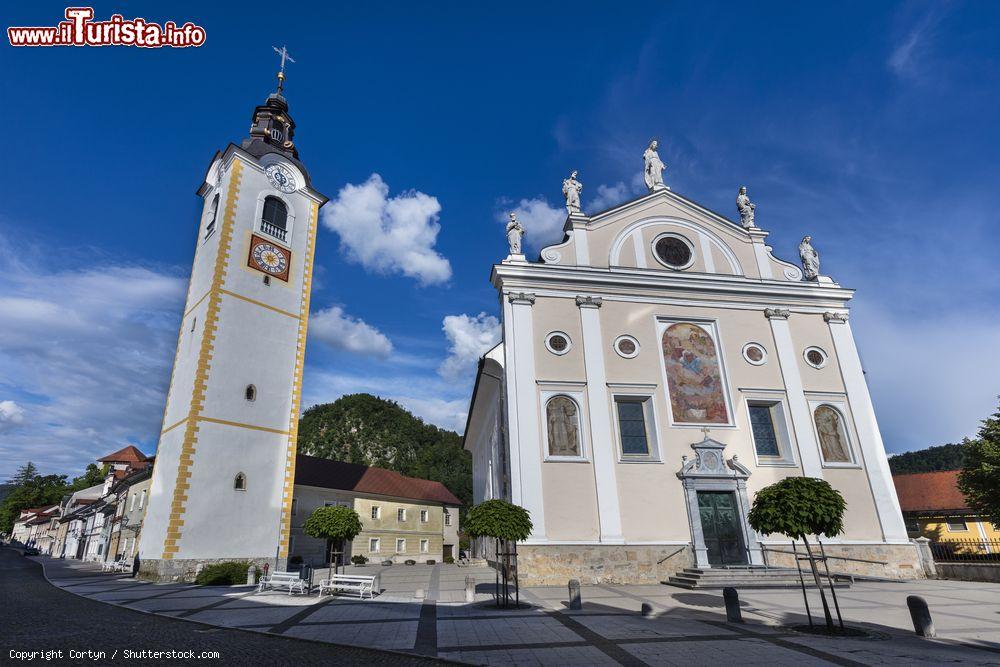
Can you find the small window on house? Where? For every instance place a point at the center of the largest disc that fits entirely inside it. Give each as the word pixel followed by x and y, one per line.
pixel 957 525
pixel 374 544
pixel 423 516
pixel 401 515
pixel 632 427
pixel 447 519
pixel 400 546
pixel 213 213
pixel 425 546
pixel 240 483
pixel 251 393
pixel 135 497
pixel 376 512
pixel 142 498
pixel 295 505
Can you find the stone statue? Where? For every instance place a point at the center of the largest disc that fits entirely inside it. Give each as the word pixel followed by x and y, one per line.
pixel 810 259
pixel 514 233
pixel 572 188
pixel 653 172
pixel 745 207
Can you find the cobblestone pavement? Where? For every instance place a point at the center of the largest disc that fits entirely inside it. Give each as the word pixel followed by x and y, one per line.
pixel 421 610
pixel 36 616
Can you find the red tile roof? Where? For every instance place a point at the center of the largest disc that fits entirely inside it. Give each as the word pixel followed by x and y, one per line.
pixel 127 454
pixel 925 491
pixel 314 471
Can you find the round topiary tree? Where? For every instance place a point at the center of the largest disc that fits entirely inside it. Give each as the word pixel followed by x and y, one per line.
pixel 797 507
pixel 334 523
pixel 504 522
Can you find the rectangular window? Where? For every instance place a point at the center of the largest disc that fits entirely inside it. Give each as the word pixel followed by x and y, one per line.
pixel 632 426
pixel 374 544
pixel 447 519
pixel 401 515
pixel 376 512
pixel 425 546
pixel 135 497
pixel 765 436
pixel 957 525
pixel 295 503
pixel 423 516
pixel 400 546
pixel 142 498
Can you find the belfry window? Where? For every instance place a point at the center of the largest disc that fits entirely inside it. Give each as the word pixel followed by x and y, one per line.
pixel 274 220
pixel 213 213
pixel 240 483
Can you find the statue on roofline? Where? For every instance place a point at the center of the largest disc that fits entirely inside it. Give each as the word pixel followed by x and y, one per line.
pixel 810 259
pixel 571 189
pixel 514 233
pixel 653 169
pixel 746 208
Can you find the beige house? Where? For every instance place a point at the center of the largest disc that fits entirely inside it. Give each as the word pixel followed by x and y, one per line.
pixel 658 367
pixel 404 518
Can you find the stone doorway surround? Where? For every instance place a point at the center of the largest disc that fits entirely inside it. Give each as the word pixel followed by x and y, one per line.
pixel 709 470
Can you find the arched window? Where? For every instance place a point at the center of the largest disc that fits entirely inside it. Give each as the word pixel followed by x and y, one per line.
pixel 694 375
pixel 274 219
pixel 563 423
pixel 240 483
pixel 832 435
pixel 213 212
pixel 251 393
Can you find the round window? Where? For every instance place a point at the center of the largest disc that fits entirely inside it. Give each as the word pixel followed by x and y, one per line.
pixel 754 353
pixel 674 252
pixel 815 357
pixel 626 346
pixel 557 342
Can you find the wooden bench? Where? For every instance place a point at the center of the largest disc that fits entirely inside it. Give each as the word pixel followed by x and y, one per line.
pixel 278 579
pixel 349 582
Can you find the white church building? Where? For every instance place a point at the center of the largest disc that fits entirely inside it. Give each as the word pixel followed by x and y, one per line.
pixel 658 367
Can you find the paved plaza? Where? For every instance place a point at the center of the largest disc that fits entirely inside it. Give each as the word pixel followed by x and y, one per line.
pixel 686 627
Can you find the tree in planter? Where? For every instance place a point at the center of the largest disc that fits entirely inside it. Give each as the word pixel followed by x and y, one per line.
pixel 797 507
pixel 334 523
pixel 505 523
pixel 979 480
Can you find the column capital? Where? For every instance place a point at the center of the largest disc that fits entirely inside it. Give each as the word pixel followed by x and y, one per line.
pixel 526 298
pixel 777 313
pixel 589 301
pixel 833 316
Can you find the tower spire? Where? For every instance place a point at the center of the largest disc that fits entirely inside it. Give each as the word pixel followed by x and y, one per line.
pixel 283 52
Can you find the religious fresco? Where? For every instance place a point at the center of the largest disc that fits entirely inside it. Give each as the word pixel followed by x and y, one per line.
pixel 563 426
pixel 694 376
pixel 832 437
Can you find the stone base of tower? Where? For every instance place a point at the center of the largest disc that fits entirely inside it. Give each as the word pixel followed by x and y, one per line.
pixel 185 570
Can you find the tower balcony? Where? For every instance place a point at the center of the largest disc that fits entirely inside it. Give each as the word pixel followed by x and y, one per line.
pixel 272 230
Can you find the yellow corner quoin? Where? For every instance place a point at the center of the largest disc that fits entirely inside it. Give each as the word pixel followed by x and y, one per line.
pixel 177 505
pixel 293 419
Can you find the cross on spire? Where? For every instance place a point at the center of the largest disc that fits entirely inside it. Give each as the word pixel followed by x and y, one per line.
pixel 283 52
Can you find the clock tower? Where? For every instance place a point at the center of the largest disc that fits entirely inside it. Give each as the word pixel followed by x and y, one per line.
pixel 225 463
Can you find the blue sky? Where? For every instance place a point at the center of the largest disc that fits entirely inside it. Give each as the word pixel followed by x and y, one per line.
pixel 871 126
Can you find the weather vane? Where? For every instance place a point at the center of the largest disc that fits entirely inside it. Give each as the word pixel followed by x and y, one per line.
pixel 283 52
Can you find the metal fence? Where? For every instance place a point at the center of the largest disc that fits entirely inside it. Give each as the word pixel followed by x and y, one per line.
pixel 966 551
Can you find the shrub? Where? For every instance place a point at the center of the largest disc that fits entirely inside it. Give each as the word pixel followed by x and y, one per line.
pixel 410 561
pixel 359 559
pixel 499 519
pixel 448 560
pixel 228 573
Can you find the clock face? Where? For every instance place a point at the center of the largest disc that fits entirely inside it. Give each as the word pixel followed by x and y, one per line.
pixel 281 178
pixel 269 258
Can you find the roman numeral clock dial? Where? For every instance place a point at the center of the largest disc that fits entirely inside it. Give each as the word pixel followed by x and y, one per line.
pixel 269 258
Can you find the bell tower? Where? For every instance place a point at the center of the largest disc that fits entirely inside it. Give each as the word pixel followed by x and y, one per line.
pixel 225 463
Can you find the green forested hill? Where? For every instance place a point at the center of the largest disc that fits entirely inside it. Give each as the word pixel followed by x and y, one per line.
pixel 365 429
pixel 943 457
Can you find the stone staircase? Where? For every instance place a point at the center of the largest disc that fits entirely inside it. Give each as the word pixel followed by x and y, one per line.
pixel 746 577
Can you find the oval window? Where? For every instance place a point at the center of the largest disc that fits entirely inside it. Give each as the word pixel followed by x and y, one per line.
pixel 673 251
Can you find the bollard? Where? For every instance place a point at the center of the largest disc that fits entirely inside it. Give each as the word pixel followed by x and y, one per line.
pixel 251 576
pixel 921 616
pixel 574 594
pixel 470 589
pixel 647 609
pixel 733 612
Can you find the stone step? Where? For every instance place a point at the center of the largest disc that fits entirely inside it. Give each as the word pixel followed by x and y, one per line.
pixel 748 584
pixel 744 577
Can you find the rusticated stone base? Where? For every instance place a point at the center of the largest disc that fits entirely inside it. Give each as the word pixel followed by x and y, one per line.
pixel 186 569
pixel 551 565
pixel 902 560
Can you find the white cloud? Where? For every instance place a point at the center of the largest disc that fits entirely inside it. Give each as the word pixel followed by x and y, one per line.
pixel 469 337
pixel 333 327
pixel 910 53
pixel 608 196
pixel 11 415
pixel 389 234
pixel 543 224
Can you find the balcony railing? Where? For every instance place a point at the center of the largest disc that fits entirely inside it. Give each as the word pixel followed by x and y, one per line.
pixel 966 551
pixel 272 230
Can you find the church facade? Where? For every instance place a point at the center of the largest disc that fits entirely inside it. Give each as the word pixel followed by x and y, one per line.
pixel 658 367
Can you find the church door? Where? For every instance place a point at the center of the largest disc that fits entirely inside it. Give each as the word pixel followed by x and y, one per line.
pixel 720 524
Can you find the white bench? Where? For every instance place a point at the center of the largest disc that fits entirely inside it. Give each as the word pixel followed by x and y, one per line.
pixel 349 582
pixel 115 566
pixel 278 579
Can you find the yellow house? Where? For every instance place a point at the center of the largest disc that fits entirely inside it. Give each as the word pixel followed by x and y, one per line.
pixel 933 507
